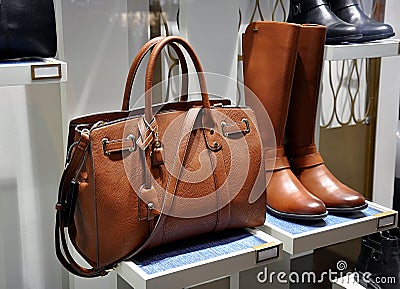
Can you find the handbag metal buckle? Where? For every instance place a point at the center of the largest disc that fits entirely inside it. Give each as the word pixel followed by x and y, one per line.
pixel 227 133
pixel 119 145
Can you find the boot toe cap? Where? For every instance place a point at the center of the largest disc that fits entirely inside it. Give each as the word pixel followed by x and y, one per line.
pixel 342 32
pixel 348 203
pixel 376 31
pixel 287 198
pixel 309 208
pixel 353 200
pixel 314 207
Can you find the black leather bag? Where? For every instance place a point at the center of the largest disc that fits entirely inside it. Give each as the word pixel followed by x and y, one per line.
pixel 27 29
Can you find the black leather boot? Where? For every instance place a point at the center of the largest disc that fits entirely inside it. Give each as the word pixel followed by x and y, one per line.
pixel 318 12
pixel 349 11
pixel 379 261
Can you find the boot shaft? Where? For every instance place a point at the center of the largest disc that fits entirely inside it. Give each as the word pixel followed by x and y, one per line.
pixel 269 57
pixel 305 91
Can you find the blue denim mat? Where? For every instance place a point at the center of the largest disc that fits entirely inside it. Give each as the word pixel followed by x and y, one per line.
pixel 193 250
pixel 303 227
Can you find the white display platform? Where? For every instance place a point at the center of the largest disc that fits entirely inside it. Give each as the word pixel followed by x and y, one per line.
pixel 202 259
pixel 306 236
pixel 32 71
pixel 373 49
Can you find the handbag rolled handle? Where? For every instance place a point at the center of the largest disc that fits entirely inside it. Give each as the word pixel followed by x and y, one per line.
pixel 137 61
pixel 150 72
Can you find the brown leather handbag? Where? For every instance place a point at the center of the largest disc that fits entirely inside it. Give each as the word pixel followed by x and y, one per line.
pixel 138 179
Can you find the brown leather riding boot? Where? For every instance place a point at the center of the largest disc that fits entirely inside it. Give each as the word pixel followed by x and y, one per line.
pixel 306 162
pixel 269 57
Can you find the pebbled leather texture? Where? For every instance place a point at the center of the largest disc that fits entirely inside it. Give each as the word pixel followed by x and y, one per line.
pixel 127 203
pixel 318 12
pixel 27 29
pixel 269 57
pixel 300 147
pixel 350 11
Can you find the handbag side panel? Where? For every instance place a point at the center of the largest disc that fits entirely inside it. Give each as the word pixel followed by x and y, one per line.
pixel 117 177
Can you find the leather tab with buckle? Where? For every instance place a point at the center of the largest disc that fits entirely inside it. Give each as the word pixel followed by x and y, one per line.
pixel 119 145
pixel 231 129
pixel 213 140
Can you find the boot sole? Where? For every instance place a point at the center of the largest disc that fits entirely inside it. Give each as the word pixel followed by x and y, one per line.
pixel 375 37
pixel 307 217
pixel 347 210
pixel 344 39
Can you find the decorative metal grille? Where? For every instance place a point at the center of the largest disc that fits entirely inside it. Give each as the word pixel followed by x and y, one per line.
pixel 344 99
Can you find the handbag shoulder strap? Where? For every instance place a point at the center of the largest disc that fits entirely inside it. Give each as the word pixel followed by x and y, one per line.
pixel 183 144
pixel 76 160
